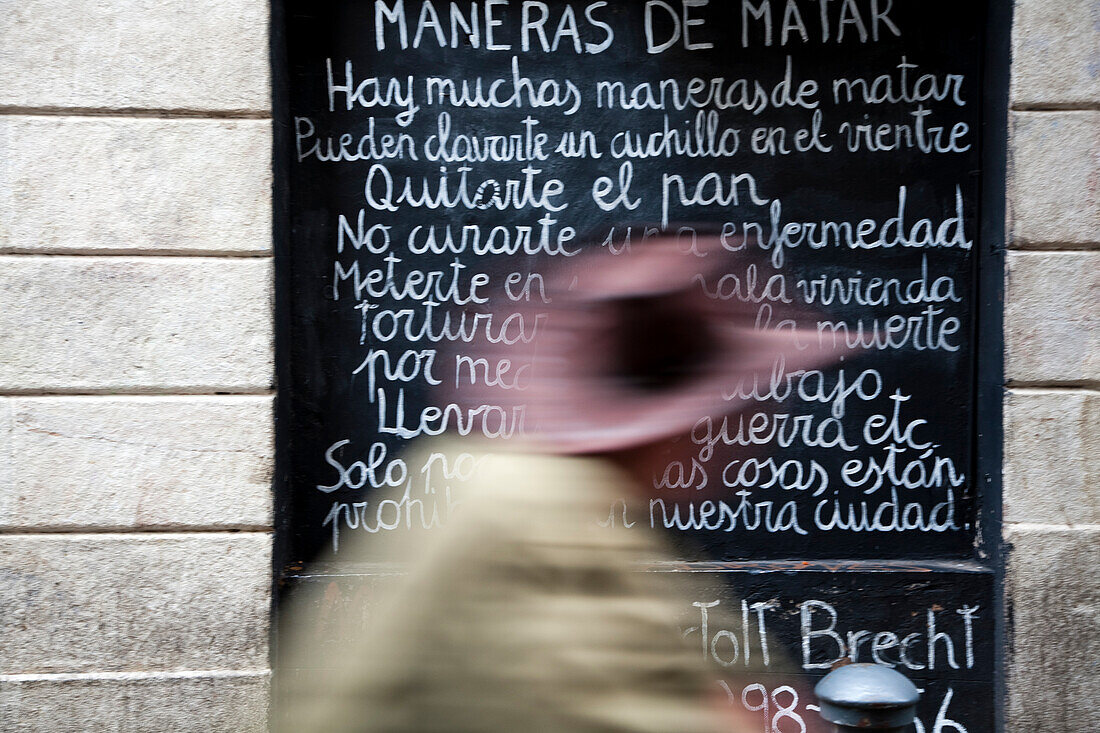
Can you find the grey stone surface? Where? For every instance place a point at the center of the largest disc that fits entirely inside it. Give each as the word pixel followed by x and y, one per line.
pixel 116 184
pixel 158 704
pixel 7 462
pixel 1054 671
pixel 1056 52
pixel 138 462
pixel 1054 178
pixel 169 324
pixel 122 54
pixel 117 603
pixel 1052 441
pixel 1052 318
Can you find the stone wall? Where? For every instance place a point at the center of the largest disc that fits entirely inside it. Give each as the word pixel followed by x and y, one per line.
pixel 135 365
pixel 1052 364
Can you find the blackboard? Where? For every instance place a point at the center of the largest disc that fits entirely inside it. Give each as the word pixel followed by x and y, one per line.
pixel 431 152
pixel 935 623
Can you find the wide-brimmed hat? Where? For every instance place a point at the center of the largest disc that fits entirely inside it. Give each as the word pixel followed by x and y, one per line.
pixel 630 348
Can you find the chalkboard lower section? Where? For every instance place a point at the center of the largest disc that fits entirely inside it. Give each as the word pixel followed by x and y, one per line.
pixel 934 622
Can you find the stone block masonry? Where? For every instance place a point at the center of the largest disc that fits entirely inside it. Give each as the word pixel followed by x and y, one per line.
pixel 1052 365
pixel 80 603
pixel 1041 424
pixel 132 462
pixel 1056 603
pixel 204 57
pixel 1055 54
pixel 135 324
pixel 132 702
pixel 136 366
pixel 1052 323
pixel 1055 169
pixel 55 200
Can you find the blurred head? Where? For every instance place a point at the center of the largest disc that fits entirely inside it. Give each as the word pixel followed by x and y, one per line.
pixel 629 350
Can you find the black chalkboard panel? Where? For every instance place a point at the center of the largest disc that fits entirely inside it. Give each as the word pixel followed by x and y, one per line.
pixel 430 152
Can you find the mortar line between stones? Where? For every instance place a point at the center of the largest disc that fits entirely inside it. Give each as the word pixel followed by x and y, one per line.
pixel 142 256
pixel 139 392
pixel 124 676
pixel 1049 248
pixel 212 253
pixel 135 112
pixel 185 399
pixel 1035 526
pixel 1057 107
pixel 1058 386
pixel 152 530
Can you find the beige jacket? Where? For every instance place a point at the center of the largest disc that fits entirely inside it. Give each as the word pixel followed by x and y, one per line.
pixel 522 614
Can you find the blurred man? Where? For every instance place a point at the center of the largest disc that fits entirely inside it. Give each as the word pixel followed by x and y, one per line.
pixel 527 612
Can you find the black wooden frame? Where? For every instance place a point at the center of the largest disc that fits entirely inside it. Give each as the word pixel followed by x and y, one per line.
pixel 988 333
